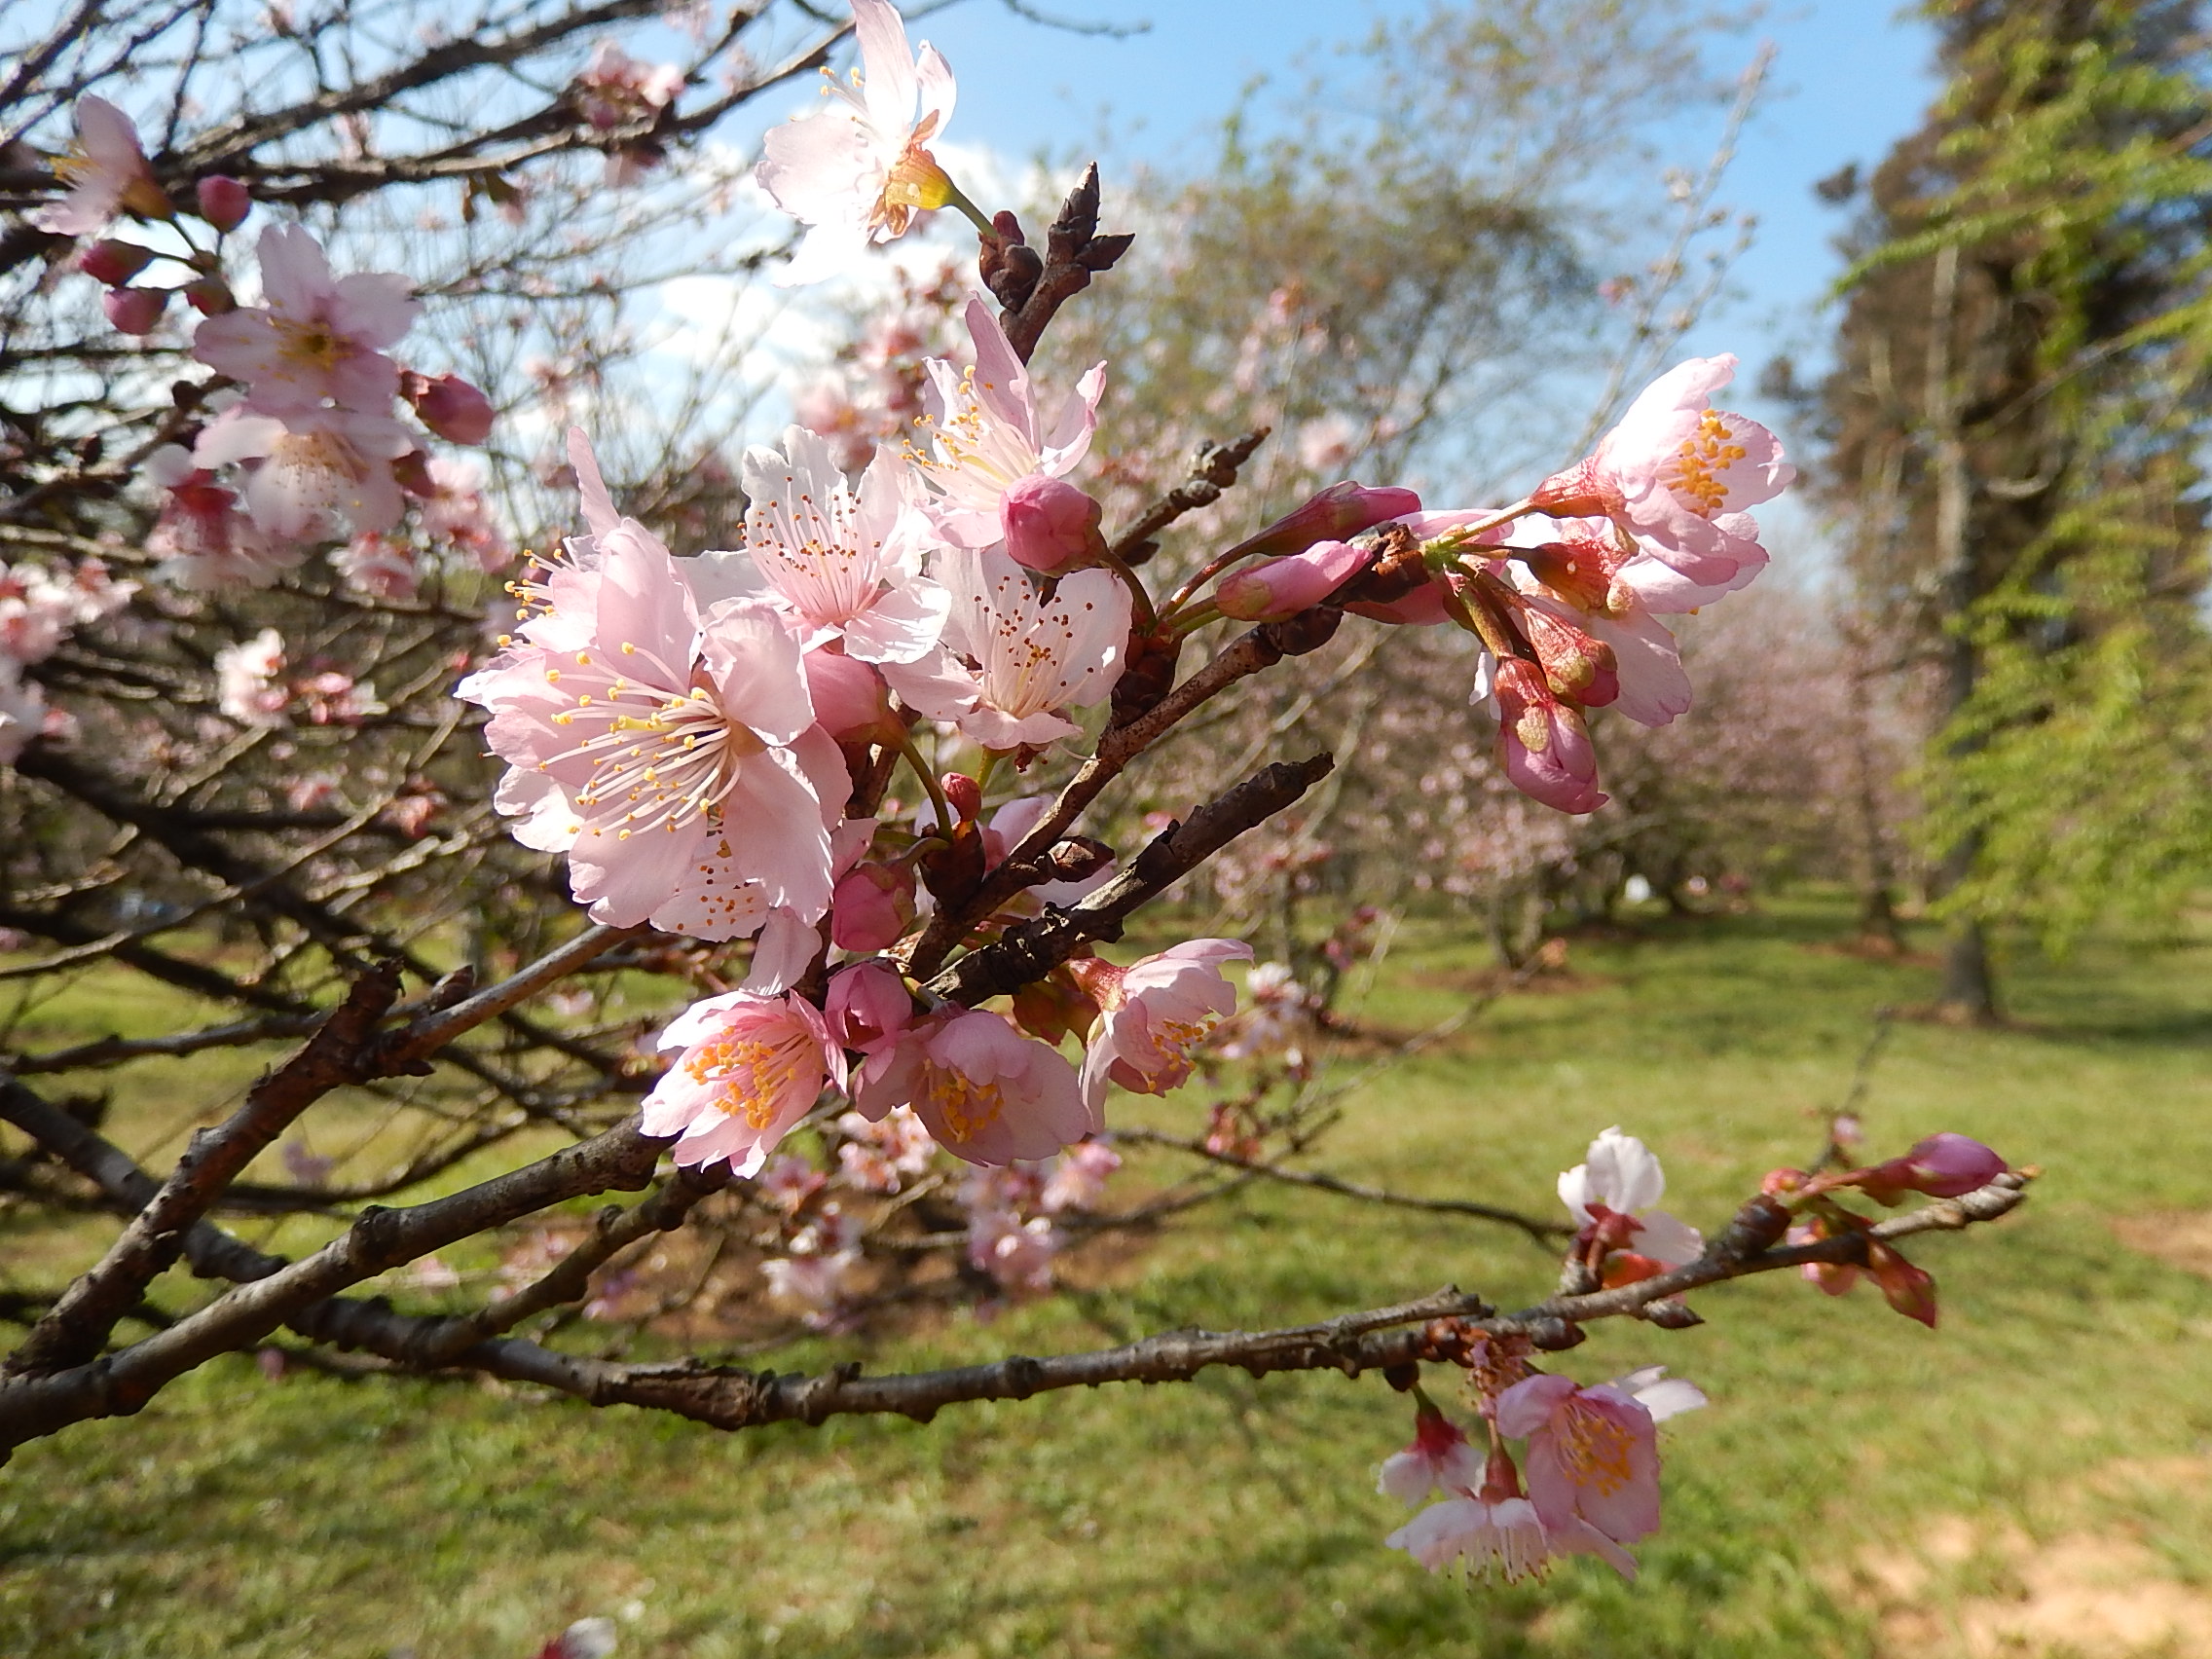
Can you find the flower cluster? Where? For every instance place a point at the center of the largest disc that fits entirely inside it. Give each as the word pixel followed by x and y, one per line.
pixel 38 609
pixel 304 444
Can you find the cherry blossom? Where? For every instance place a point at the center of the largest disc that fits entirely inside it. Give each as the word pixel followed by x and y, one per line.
pixel 1941 1166
pixel 985 1092
pixel 750 1067
pixel 614 88
pixel 1440 1458
pixel 246 687
pixel 202 535
pixel 319 338
pixel 882 1157
pixel 1079 1178
pixel 316 467
pixel 639 736
pixel 1612 1193
pixel 1593 1455
pixel 842 563
pixel 106 173
pixel 455 511
pixel 38 609
pixel 1680 474
pixel 1153 1016
pixel 375 564
pixel 1545 744
pixel 857 170
pixel 1018 1253
pixel 1033 657
pixel 1051 525
pixel 986 433
pixel 815 1281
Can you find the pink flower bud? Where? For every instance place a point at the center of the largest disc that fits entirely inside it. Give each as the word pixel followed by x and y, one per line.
pixel 872 907
pixel 868 1004
pixel 1548 756
pixel 450 407
pixel 1942 1166
pixel 210 296
pixel 850 701
pixel 135 311
pixel 114 263
pixel 1340 510
pixel 962 793
pixel 223 201
pixel 1050 525
pixel 1281 588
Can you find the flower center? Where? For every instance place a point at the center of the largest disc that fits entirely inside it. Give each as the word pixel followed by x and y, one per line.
pixel 314 346
pixel 968 1107
pixel 671 758
pixel 1596 1450
pixel 748 1077
pixel 1694 474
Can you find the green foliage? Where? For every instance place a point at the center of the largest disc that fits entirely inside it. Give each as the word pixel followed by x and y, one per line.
pixel 2067 172
pixel 2066 1395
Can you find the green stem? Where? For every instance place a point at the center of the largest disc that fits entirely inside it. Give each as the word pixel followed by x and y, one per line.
pixel 922 771
pixel 955 197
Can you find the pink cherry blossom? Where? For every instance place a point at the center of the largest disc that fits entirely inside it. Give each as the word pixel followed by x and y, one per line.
pixel 456 512
pixel 749 1068
pixel 868 1007
pixel 986 433
pixel 614 88
pixel 1051 525
pixel 318 337
pixel 1016 1254
pixel 882 1157
pixel 818 1278
pixel 377 565
pixel 842 563
pixel 986 1093
pixel 106 173
pixel 1079 1178
pixel 675 758
pixel 1153 1016
pixel 857 170
pixel 872 908
pixel 246 685
pixel 1340 510
pixel 38 607
pixel 1613 1192
pixel 1677 472
pixel 1593 1455
pixel 852 701
pixel 1546 747
pixel 1439 1459
pixel 317 466
pixel 22 712
pixel 1032 657
pixel 1476 1536
pixel 203 538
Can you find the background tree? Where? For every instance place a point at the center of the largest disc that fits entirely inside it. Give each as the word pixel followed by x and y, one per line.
pixel 2015 427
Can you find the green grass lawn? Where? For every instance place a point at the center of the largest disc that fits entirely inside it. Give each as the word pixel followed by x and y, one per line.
pixel 2035 1473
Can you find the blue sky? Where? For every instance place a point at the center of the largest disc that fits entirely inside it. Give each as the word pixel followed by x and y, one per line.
pixel 1849 79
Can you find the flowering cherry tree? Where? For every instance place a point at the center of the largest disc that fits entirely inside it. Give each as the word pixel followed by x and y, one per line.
pixel 839 789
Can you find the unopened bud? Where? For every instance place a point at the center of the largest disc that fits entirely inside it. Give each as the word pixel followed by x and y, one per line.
pixel 1941 1166
pixel 450 407
pixel 1281 588
pixel 872 908
pixel 1576 667
pixel 210 296
pixel 1340 510
pixel 962 793
pixel 1548 756
pixel 851 702
pixel 113 262
pixel 1908 1289
pixel 1051 526
pixel 223 201
pixel 135 311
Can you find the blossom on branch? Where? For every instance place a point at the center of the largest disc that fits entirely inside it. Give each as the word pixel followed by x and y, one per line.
pixel 1678 473
pixel 857 172
pixel 106 173
pixel 319 337
pixel 674 757
pixel 1153 1017
pixel 985 1092
pixel 1032 657
pixel 987 435
pixel 750 1067
pixel 1612 1193
pixel 842 563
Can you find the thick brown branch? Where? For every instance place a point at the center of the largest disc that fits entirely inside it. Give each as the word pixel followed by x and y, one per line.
pixel 1074 252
